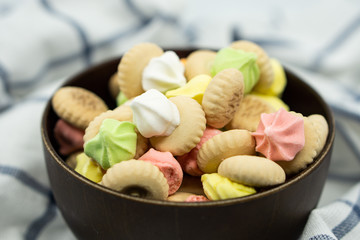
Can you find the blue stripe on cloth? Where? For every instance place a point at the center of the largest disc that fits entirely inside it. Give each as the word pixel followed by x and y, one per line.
pixel 132 7
pixel 121 34
pixel 28 100
pixel 86 45
pixel 136 10
pixel 236 36
pixel 335 43
pixel 24 178
pixel 38 76
pixel 344 178
pixel 5 107
pixel 169 19
pixel 5 78
pixel 39 223
pixel 345 113
pixel 322 237
pixel 352 219
pixel 35 228
pixel 352 146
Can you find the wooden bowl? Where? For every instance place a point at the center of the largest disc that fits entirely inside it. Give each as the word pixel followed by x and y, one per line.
pixel 95 212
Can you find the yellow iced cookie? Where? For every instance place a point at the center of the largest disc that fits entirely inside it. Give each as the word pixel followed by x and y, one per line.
pixel 195 88
pixel 274 101
pixel 88 168
pixel 279 83
pixel 217 187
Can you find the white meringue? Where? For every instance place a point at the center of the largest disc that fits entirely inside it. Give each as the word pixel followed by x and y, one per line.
pixel 154 114
pixel 164 73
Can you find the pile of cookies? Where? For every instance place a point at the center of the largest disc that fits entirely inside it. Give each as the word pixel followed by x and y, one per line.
pixel 215 116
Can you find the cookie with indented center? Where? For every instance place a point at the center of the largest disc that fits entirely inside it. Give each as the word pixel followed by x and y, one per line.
pixel 263 61
pixel 248 113
pixel 137 178
pixel 188 133
pixel 131 67
pixel 316 131
pixel 121 113
pixel 224 145
pixel 114 88
pixel 222 97
pixel 77 106
pixel 252 171
pixel 199 62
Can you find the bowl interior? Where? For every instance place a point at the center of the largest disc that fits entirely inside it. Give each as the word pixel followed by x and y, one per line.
pixel 298 95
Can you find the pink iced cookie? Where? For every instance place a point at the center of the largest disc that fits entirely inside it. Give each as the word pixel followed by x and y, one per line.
pixel 196 198
pixel 167 165
pixel 280 135
pixel 188 160
pixel 69 138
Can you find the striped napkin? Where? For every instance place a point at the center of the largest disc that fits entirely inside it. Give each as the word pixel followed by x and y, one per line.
pixel 43 42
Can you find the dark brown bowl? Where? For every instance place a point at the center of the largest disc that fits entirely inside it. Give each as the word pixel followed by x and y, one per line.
pixel 95 212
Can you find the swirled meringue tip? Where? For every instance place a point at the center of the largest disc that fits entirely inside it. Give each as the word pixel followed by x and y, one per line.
pixel 115 142
pixel 164 73
pixel 243 61
pixel 154 114
pixel 280 135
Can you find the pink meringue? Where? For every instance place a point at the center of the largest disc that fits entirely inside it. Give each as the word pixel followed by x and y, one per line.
pixel 280 135
pixel 188 161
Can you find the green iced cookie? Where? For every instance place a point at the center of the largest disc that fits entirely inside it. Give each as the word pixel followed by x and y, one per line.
pixel 245 62
pixel 115 142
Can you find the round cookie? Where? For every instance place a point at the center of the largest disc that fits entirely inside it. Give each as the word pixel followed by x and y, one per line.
pixel 222 97
pixel 199 62
pixel 121 113
pixel 263 61
pixel 248 114
pixel 77 106
pixel 188 133
pixel 114 88
pixel 131 67
pixel 252 171
pixel 316 131
pixel 137 178
pixel 224 145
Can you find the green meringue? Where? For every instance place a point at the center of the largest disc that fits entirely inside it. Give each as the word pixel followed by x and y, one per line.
pixel 115 142
pixel 245 62
pixel 121 99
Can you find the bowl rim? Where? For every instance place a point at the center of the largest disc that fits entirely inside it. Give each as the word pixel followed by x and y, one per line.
pixel 298 177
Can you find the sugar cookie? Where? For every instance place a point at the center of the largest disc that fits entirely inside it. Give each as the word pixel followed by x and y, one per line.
pixel 137 178
pixel 252 171
pixel 78 106
pixel 199 62
pixel 222 97
pixel 114 88
pixel 121 113
pixel 224 145
pixel 316 131
pixel 131 67
pixel 188 133
pixel 248 114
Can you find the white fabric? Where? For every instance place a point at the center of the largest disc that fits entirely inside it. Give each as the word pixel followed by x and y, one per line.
pixel 42 42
